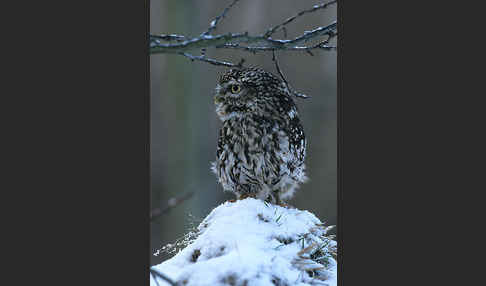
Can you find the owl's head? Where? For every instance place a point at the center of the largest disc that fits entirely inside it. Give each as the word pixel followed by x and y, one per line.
pixel 244 91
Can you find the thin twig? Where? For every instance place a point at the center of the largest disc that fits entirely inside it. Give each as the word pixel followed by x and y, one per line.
pixel 284 32
pixel 219 40
pixel 154 277
pixel 160 275
pixel 295 93
pixel 255 49
pixel 171 203
pixel 171 37
pixel 313 9
pixel 214 23
pixel 203 58
pixel 182 45
pixel 274 59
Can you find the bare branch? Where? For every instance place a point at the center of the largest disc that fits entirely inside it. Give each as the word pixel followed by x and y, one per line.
pixel 203 58
pixel 171 203
pixel 313 9
pixel 295 93
pixel 156 274
pixel 254 49
pixel 274 59
pixel 182 45
pixel 171 37
pixel 216 20
pixel 220 40
pixel 284 32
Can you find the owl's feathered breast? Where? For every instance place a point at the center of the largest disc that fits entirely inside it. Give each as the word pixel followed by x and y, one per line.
pixel 261 143
pixel 262 147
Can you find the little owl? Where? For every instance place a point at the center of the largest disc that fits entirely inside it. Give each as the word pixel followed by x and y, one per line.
pixel 261 146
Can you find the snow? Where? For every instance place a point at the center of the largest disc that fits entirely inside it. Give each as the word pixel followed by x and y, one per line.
pixel 250 242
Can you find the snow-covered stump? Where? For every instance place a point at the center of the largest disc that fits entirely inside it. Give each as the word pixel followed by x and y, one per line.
pixel 250 242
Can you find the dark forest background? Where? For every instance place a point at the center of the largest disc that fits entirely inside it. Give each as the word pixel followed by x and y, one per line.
pixel 184 126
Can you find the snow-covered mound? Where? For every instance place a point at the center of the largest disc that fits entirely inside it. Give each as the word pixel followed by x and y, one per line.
pixel 250 242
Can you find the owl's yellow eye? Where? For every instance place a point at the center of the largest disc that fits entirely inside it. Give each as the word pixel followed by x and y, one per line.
pixel 235 88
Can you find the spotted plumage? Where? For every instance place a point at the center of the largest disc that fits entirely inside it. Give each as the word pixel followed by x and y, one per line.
pixel 261 146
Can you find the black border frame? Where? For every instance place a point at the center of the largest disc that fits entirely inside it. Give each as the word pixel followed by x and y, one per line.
pixel 77 157
pixel 340 85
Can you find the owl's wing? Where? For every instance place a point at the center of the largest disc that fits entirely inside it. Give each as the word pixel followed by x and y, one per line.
pixel 219 150
pixel 297 138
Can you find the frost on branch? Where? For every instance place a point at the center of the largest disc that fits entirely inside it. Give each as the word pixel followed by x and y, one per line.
pixel 250 242
pixel 265 41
